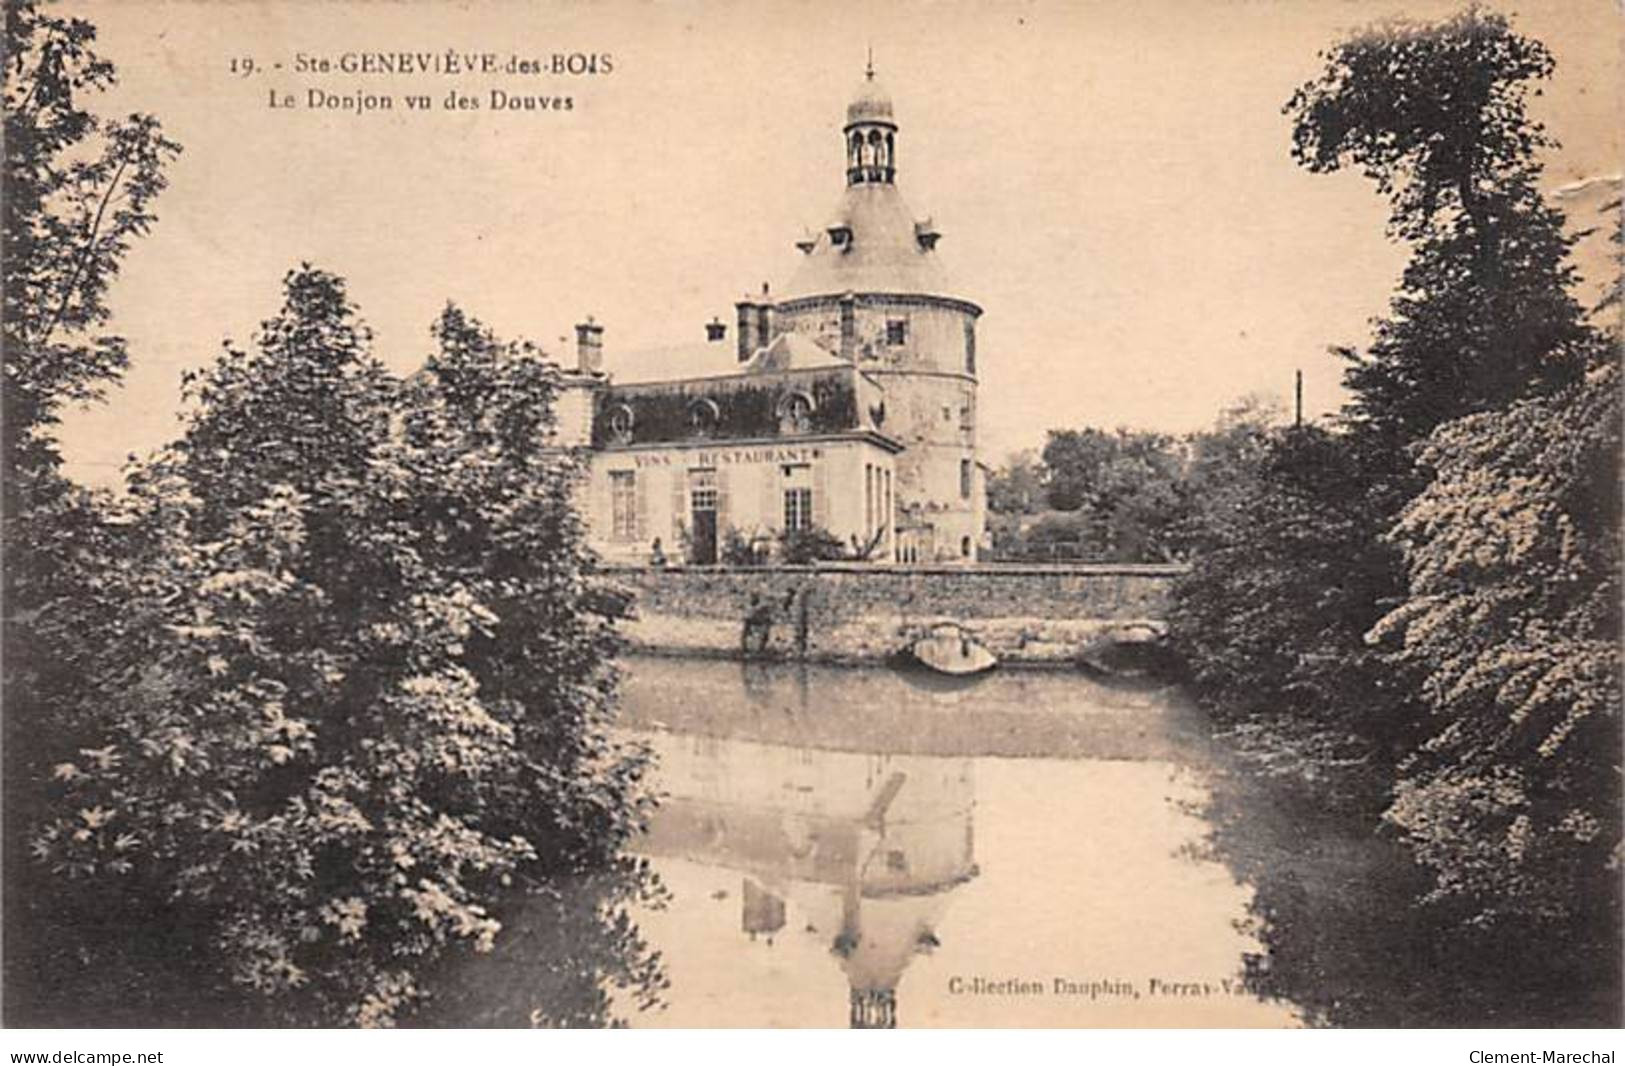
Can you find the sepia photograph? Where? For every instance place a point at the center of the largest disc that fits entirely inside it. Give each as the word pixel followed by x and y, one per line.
pixel 719 515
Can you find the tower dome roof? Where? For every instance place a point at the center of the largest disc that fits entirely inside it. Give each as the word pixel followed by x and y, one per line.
pixel 871 103
pixel 878 251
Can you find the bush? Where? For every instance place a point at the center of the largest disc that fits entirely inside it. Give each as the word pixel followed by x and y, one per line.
pixel 801 546
pixel 739 550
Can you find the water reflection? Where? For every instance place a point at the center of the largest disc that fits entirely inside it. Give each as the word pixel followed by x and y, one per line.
pixel 849 847
pixel 863 850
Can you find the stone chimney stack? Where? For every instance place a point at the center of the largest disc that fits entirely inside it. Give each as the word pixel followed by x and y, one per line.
pixel 764 310
pixel 716 329
pixel 748 342
pixel 849 328
pixel 589 347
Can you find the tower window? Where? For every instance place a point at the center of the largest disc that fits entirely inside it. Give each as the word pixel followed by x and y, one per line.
pixel 965 478
pixel 897 332
pixel 970 348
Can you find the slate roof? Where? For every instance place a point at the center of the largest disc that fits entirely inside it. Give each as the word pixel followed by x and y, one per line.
pixel 791 351
pixel 881 256
pixel 695 360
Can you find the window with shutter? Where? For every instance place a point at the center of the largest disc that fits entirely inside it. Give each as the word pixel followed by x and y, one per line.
pixel 642 495
pixel 623 505
pixel 820 495
pixel 679 510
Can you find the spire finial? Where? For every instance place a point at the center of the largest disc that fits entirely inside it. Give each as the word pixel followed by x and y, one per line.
pixel 869 71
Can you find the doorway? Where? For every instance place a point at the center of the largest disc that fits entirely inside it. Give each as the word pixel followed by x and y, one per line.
pixel 702 502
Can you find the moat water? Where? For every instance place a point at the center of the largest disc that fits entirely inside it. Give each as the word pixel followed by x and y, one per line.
pixel 1029 849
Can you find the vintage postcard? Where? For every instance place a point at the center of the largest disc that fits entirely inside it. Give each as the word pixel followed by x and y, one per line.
pixel 723 514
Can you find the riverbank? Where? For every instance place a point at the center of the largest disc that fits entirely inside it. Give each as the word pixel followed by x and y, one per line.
pixel 853 614
pixel 1347 930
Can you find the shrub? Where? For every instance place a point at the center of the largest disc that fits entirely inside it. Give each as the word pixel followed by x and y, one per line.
pixel 800 546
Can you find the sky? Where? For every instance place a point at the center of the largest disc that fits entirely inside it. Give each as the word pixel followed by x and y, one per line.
pixel 1112 180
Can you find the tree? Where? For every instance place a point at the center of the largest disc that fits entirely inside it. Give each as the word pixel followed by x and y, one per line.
pixel 1286 579
pixel 359 691
pixel 1436 116
pixel 1128 487
pixel 1072 460
pixel 1017 486
pixel 1513 621
pixel 79 189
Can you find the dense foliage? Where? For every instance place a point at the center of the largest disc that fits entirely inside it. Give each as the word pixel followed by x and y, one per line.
pixel 327 693
pixel 352 691
pixel 1126 496
pixel 1417 610
pixel 79 189
pixel 1513 622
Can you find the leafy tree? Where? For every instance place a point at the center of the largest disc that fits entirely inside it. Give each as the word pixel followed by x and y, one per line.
pixel 1435 115
pixel 1453 549
pixel 1073 459
pixel 359 692
pixel 1285 581
pixel 1128 486
pixel 1017 487
pixel 1513 621
pixel 79 189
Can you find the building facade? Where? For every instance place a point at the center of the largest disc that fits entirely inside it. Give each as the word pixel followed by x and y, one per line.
pixel 848 414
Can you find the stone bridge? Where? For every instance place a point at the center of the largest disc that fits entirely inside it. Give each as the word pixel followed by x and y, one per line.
pixel 836 612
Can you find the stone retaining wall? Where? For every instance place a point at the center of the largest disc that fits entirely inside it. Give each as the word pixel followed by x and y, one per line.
pixel 836 613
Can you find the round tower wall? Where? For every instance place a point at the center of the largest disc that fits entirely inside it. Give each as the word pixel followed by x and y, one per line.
pixel 922 352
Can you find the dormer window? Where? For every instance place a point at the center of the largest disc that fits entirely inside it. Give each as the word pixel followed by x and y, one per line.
pixel 620 424
pixel 840 235
pixel 795 413
pixel 926 235
pixel 897 332
pixel 703 417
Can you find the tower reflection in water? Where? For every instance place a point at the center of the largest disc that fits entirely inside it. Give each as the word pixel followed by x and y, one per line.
pixel 861 850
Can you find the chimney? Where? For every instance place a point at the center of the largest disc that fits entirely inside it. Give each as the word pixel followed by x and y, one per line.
pixel 589 346
pixel 849 328
pixel 747 329
pixel 716 329
pixel 765 312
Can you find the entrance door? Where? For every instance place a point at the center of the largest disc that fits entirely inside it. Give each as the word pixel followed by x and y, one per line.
pixel 702 496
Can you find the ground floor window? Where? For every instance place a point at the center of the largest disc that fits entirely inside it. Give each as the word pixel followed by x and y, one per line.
pixel 623 498
pixel 797 509
pixel 798 496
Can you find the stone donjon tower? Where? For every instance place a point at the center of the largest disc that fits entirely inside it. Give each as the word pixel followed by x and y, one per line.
pixel 871 288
